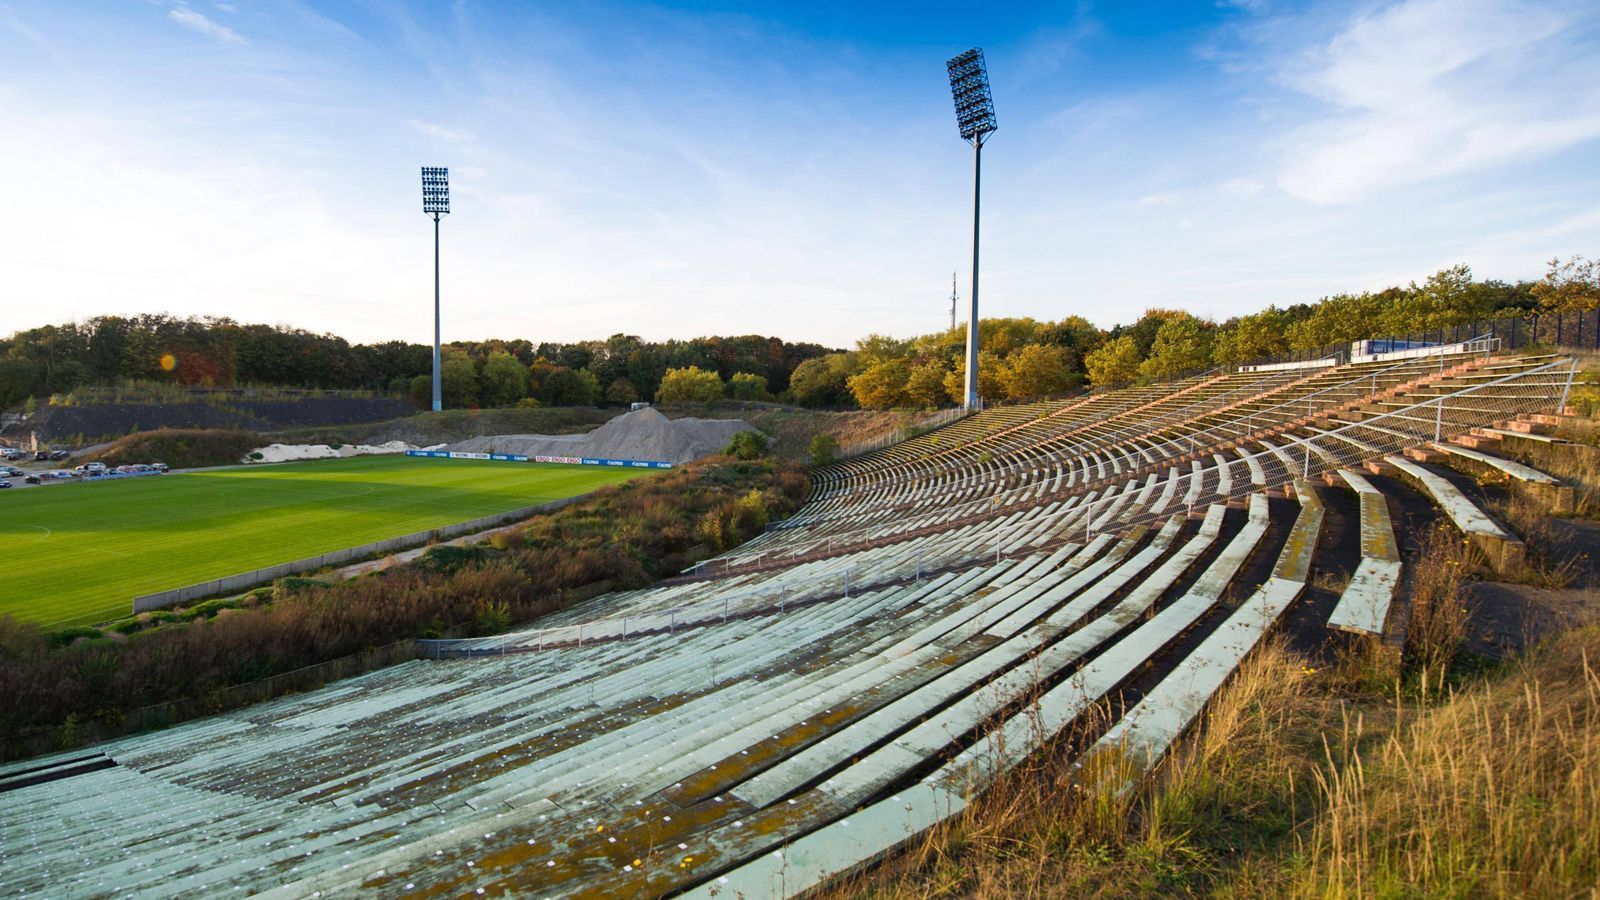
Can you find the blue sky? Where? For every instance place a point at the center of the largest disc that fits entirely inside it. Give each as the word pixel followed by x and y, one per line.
pixel 680 169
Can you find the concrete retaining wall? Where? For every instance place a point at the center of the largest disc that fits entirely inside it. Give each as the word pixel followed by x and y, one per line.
pixel 246 580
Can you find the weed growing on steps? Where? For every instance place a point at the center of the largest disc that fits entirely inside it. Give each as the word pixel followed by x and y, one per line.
pixel 1296 787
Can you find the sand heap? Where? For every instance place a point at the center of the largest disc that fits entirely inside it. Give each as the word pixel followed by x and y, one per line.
pixel 643 434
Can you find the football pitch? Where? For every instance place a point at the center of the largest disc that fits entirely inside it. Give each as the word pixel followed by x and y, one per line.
pixel 79 553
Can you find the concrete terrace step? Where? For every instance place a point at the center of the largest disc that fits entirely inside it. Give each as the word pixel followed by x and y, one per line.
pixel 1364 604
pixel 1503 549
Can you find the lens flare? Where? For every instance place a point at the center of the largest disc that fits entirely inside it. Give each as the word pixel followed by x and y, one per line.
pixel 168 362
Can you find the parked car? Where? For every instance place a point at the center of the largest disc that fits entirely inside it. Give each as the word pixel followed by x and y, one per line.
pixel 159 466
pixel 33 479
pixel 41 456
pixel 59 474
pixel 59 455
pixel 11 472
pixel 5 484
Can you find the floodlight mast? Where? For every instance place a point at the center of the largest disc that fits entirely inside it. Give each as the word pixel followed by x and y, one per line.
pixel 969 88
pixel 436 202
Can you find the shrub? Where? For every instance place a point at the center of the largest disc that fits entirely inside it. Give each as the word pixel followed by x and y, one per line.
pixel 449 558
pixel 288 587
pixel 824 450
pixel 68 635
pixel 210 608
pixel 747 445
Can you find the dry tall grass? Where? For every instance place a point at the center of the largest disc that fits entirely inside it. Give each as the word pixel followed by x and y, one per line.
pixel 1493 793
pixel 1294 788
pixel 1438 605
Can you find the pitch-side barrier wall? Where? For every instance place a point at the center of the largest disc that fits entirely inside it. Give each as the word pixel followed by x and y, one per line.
pixel 569 460
pixel 246 580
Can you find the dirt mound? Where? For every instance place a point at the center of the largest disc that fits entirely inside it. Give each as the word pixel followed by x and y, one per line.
pixel 643 434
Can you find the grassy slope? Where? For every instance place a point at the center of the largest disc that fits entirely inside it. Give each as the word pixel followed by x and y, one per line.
pixel 79 553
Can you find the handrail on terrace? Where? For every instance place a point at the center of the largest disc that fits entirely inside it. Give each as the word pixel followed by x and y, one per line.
pixel 1002 499
pixel 1488 343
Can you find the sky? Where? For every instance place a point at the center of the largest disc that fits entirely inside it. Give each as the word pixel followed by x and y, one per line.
pixel 679 169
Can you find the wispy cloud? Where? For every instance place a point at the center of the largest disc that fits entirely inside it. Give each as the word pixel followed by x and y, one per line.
pixel 440 132
pixel 1430 88
pixel 197 22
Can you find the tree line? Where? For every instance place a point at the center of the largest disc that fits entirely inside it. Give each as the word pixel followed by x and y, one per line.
pixel 210 352
pixel 1019 358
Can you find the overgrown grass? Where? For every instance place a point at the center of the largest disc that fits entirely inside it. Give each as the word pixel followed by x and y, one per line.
pixel 1383 774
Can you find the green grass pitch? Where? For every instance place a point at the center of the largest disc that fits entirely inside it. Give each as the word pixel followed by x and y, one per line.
pixel 79 553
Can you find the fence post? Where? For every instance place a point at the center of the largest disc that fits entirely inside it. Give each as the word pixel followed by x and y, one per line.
pixel 724 610
pixel 580 634
pixel 1438 419
pixel 672 621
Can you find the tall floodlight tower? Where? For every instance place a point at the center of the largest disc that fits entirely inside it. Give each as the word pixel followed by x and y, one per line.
pixel 436 203
pixel 969 86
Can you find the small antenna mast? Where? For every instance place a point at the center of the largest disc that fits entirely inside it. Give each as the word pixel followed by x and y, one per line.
pixel 953 298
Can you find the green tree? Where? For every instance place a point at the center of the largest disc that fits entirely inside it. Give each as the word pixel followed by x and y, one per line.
pixel 570 387
pixel 1444 299
pixel 1257 336
pixel 825 380
pixel 1570 286
pixel 1181 345
pixel 882 385
pixel 1036 370
pixel 824 449
pixel 622 391
pixel 420 391
pixel 1115 362
pixel 747 445
pixel 991 378
pixel 460 381
pixel 925 385
pixel 504 380
pixel 690 384
pixel 748 386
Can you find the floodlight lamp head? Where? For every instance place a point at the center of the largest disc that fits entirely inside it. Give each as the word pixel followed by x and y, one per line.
pixel 969 87
pixel 435 190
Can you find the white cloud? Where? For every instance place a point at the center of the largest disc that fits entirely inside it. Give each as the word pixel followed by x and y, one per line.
pixel 1157 201
pixel 226 7
pixel 440 132
pixel 1240 187
pixel 197 22
pixel 1431 88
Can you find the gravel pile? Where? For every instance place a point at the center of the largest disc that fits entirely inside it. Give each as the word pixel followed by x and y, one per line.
pixel 273 453
pixel 643 434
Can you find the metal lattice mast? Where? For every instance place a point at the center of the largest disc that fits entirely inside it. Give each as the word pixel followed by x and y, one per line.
pixel 436 202
pixel 969 88
pixel 953 298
